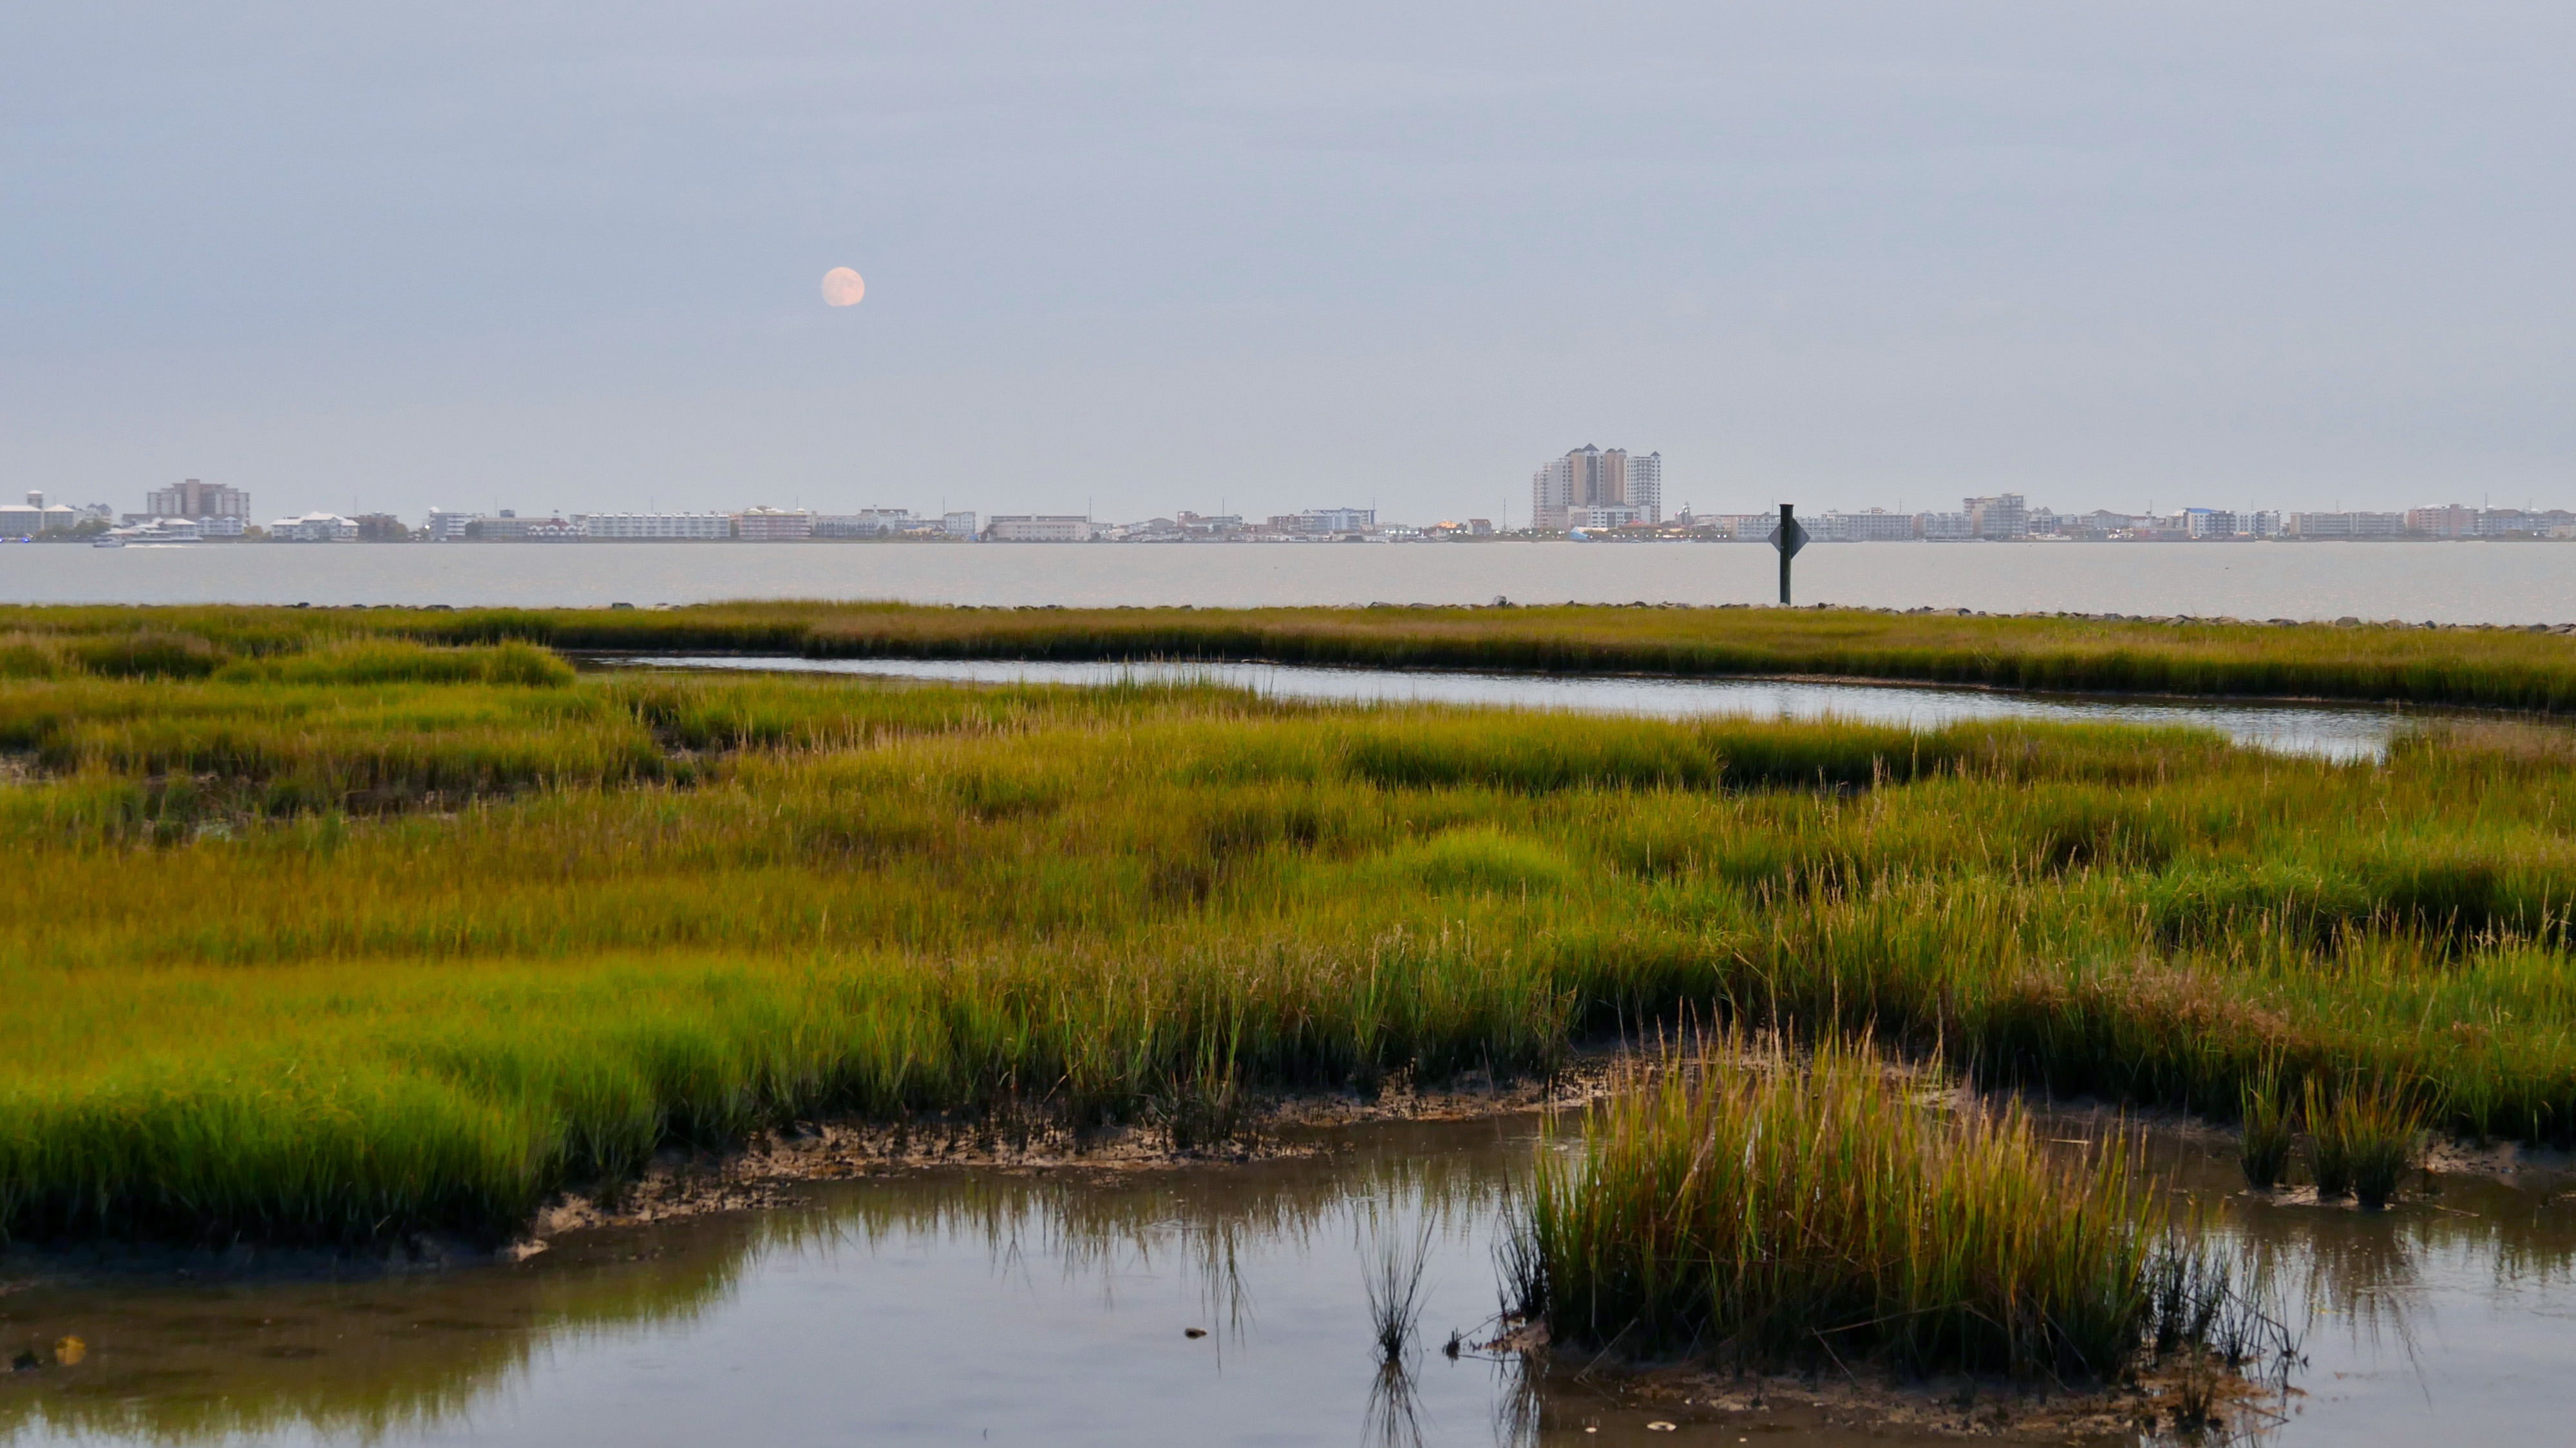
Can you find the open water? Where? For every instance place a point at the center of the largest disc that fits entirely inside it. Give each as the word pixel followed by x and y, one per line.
pixel 2415 582
pixel 1053 1308
pixel 2330 731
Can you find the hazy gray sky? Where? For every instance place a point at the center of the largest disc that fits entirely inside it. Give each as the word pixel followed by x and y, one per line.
pixel 1159 257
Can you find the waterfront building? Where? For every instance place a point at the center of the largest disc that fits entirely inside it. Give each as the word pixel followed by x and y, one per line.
pixel 2204 523
pixel 1944 527
pixel 1591 478
pixel 2347 525
pixel 2002 516
pixel 1039 528
pixel 865 523
pixel 1875 526
pixel 958 525
pixel 508 527
pixel 2451 520
pixel 314 528
pixel 1604 515
pixel 654 527
pixel 773 525
pixel 194 499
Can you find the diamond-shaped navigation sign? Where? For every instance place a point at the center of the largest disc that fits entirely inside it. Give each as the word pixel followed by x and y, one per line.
pixel 1788 537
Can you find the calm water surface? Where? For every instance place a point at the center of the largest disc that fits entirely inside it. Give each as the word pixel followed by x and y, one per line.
pixel 2444 582
pixel 2330 731
pixel 1051 1308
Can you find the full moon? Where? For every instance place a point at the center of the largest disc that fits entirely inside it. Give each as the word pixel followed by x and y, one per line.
pixel 842 287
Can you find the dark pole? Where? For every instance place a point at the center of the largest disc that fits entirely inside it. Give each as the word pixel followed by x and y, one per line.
pixel 1788 546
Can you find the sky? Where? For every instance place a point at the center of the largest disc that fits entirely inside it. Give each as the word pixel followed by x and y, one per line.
pixel 1132 259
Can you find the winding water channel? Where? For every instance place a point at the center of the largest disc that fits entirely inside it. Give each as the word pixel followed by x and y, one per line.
pixel 1053 1307
pixel 2334 731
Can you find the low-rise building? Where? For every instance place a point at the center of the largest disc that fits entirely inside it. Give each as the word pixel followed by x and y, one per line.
pixel 655 527
pixel 1875 526
pixel 2347 525
pixel 958 525
pixel 865 523
pixel 314 528
pixel 1603 515
pixel 773 525
pixel 1038 528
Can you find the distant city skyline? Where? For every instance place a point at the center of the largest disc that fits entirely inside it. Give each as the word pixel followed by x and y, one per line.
pixel 2307 256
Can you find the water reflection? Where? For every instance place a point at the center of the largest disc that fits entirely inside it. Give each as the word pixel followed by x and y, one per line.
pixel 2324 730
pixel 1057 1306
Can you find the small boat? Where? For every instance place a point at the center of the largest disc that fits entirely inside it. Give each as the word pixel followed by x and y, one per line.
pixel 107 543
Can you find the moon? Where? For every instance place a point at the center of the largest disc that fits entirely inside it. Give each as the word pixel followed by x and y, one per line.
pixel 843 287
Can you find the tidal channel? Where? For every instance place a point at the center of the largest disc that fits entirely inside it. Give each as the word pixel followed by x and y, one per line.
pixel 2333 731
pixel 1057 1307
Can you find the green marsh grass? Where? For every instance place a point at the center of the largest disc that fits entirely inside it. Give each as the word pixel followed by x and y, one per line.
pixel 356 935
pixel 2268 1132
pixel 1761 1209
pixel 2501 668
pixel 2365 1139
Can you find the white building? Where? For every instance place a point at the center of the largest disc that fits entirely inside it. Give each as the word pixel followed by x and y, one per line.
pixel 1875 526
pixel 446 525
pixel 1333 520
pixel 865 523
pixel 1945 527
pixel 651 527
pixel 314 528
pixel 2347 525
pixel 1038 528
pixel 958 525
pixel 1604 515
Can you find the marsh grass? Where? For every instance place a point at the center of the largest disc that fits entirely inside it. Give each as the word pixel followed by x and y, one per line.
pixel 1396 1263
pixel 2268 1132
pixel 408 944
pixel 2366 1139
pixel 2502 668
pixel 1740 1203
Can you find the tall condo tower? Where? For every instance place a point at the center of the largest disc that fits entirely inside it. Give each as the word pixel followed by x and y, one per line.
pixel 1589 488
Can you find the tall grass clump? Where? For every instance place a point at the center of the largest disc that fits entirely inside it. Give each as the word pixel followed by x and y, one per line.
pixel 2268 1132
pixel 2365 1139
pixel 1760 1209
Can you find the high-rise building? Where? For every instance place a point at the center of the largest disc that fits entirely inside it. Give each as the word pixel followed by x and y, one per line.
pixel 2004 515
pixel 193 499
pixel 1590 478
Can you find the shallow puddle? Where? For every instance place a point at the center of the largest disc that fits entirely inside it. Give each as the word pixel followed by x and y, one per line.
pixel 2329 731
pixel 962 1306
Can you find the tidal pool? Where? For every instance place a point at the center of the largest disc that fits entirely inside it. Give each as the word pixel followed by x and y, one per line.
pixel 1053 1307
pixel 2332 731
